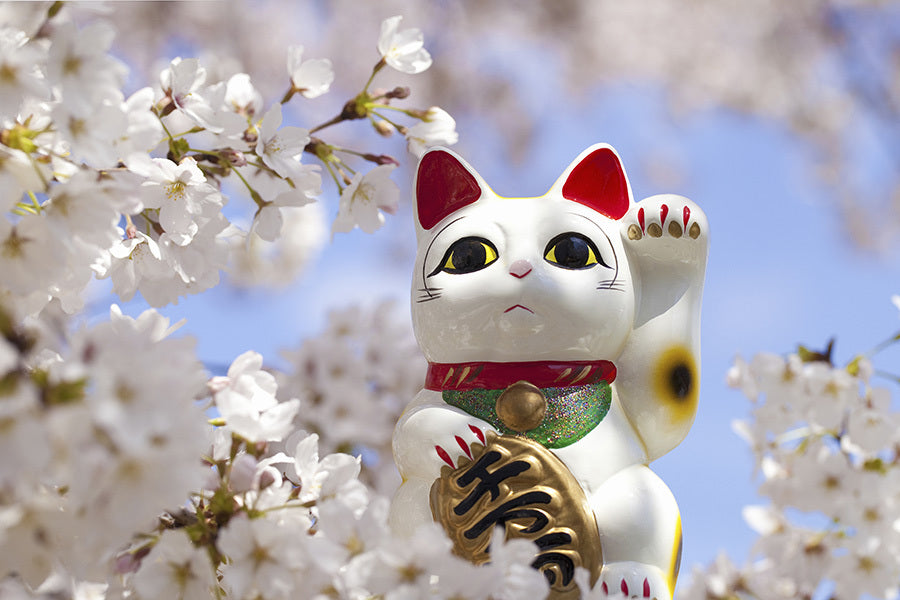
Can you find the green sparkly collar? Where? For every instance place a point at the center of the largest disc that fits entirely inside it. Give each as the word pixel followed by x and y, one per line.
pixel 572 412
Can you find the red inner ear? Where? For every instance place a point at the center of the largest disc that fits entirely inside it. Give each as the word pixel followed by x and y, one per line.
pixel 443 185
pixel 598 181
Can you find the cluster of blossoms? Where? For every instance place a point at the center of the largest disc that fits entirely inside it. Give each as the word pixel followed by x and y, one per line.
pixel 116 503
pixel 826 445
pixel 100 433
pixel 126 472
pixel 823 69
pixel 132 188
pixel 353 381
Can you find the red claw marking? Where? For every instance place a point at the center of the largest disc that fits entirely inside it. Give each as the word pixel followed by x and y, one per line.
pixel 477 433
pixel 605 588
pixel 444 456
pixel 465 447
pixel 624 587
pixel 663 212
pixel 646 588
pixel 687 216
pixel 641 218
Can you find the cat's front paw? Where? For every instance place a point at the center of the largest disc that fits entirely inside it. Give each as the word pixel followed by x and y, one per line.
pixel 633 580
pixel 667 227
pixel 461 443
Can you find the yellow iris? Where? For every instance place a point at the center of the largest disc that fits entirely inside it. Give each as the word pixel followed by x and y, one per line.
pixel 571 253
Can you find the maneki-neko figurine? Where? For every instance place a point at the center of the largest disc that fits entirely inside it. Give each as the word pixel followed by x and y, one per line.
pixel 563 337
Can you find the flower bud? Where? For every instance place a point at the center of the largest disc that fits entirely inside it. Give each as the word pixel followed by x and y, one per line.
pixel 266 478
pixel 384 128
pixel 243 471
pixel 130 562
pixel 217 384
pixel 381 159
pixel 399 92
pixel 234 157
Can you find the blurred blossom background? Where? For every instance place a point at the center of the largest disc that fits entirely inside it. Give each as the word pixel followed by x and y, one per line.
pixel 781 119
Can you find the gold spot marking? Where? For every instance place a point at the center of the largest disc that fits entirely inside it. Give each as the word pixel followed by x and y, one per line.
pixel 694 231
pixel 447 376
pixel 564 374
pixel 584 372
pixel 463 376
pixel 634 232
pixel 675 381
pixel 675 229
pixel 654 230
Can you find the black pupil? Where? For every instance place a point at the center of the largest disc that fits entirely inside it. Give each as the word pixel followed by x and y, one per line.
pixel 572 252
pixel 468 255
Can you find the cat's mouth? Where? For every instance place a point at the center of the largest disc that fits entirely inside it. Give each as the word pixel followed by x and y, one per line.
pixel 518 306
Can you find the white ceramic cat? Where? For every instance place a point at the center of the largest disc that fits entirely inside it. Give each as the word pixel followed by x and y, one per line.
pixel 579 285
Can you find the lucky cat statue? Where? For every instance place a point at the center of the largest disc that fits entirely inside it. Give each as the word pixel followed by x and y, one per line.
pixel 563 337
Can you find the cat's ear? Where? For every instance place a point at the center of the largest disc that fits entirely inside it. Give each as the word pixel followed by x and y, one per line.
pixel 444 184
pixel 596 179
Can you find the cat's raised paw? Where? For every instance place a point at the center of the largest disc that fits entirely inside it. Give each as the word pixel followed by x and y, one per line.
pixel 670 215
pixel 667 228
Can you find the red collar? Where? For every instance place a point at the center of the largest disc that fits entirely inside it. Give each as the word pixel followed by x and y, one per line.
pixel 500 375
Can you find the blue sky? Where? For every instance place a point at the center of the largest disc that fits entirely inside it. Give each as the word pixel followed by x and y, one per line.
pixel 782 271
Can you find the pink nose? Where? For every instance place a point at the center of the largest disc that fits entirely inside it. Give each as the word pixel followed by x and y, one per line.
pixel 520 268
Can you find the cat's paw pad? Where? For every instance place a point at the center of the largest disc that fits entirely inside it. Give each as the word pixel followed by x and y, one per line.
pixel 633 580
pixel 460 445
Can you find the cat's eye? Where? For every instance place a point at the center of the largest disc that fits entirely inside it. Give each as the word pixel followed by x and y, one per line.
pixel 467 255
pixel 573 251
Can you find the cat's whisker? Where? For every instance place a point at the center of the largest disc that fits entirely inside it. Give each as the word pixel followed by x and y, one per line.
pixel 427 298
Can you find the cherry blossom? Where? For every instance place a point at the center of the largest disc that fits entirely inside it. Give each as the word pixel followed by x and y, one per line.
pixel 184 82
pixel 365 199
pixel 304 187
pixel 181 194
pixel 175 568
pixel 824 442
pixel 78 62
pixel 311 78
pixel 281 149
pixel 91 137
pixel 262 559
pixel 437 128
pixel 246 400
pixel 243 98
pixel 143 131
pixel 403 50
pixel 17 175
pixel 275 264
pixel 18 64
pixel 27 255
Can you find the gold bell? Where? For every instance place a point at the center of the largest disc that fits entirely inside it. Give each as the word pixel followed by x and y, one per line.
pixel 521 406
